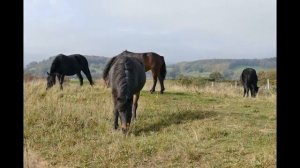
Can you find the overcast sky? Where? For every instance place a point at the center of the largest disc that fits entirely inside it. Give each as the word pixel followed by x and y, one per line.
pixel 179 30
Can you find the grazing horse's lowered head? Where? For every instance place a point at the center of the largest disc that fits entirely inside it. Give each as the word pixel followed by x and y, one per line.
pixel 126 77
pixel 50 80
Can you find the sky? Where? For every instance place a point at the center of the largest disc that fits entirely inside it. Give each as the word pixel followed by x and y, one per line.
pixel 178 30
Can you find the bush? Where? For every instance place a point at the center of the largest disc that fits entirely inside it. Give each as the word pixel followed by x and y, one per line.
pixel 216 76
pixel 192 81
pixel 29 77
pixel 264 75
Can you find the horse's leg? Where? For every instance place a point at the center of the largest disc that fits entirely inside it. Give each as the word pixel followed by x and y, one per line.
pixel 154 75
pixel 244 91
pixel 162 87
pixel 58 76
pixel 116 114
pixel 87 73
pixel 61 81
pixel 135 104
pixel 247 90
pixel 252 90
pixel 80 78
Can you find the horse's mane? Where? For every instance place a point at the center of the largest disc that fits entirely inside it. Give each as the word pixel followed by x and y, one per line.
pixel 107 67
pixel 122 75
pixel 126 51
pixel 125 80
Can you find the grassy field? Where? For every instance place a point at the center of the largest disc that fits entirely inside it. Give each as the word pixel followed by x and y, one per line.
pixel 185 127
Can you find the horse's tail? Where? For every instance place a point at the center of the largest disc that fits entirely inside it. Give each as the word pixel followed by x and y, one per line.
pixel 83 61
pixel 85 67
pixel 163 70
pixel 107 68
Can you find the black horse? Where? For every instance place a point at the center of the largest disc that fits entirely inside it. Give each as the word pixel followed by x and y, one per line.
pixel 63 65
pixel 249 81
pixel 126 78
pixel 152 61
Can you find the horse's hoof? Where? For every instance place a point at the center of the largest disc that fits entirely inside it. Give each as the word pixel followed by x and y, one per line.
pixel 133 118
pixel 115 127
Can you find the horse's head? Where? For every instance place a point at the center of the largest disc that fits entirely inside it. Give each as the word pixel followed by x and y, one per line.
pixel 124 106
pixel 50 80
pixel 254 91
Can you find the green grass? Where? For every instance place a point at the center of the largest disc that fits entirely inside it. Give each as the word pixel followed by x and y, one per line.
pixel 185 127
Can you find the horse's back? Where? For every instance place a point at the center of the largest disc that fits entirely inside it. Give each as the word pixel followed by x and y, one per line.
pixel 152 60
pixel 130 68
pixel 67 65
pixel 78 58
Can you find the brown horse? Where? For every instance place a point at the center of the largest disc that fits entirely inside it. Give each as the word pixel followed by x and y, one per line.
pixel 152 61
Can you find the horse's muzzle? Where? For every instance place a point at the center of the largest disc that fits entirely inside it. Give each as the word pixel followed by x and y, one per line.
pixel 125 127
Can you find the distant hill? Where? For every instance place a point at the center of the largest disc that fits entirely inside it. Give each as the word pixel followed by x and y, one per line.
pixel 229 68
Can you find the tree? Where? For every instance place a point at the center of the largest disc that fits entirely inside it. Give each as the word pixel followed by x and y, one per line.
pixel 216 76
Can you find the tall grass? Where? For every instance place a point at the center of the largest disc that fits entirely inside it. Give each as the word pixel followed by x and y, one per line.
pixel 187 126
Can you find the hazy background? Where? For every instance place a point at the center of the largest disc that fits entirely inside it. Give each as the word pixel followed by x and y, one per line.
pixel 179 30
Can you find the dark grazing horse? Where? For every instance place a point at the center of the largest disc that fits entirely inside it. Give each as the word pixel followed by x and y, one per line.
pixel 63 65
pixel 152 61
pixel 126 79
pixel 249 81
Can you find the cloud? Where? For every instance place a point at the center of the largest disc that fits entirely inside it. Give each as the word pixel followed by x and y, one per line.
pixel 181 31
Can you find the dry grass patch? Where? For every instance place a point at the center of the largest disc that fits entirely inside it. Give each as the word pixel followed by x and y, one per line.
pixel 185 127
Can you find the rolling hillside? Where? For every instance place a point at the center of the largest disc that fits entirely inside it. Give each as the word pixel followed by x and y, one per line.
pixel 229 68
